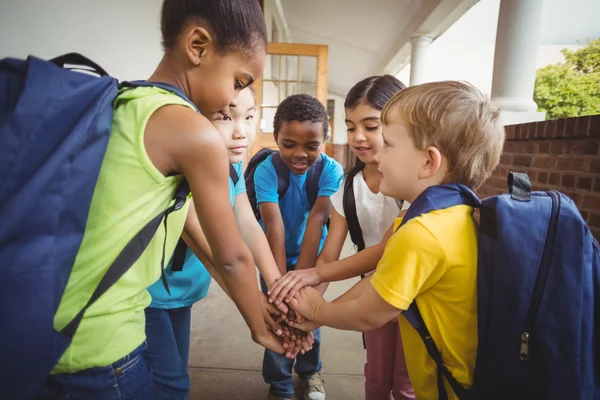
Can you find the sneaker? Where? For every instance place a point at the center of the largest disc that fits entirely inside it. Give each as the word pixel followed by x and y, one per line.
pixel 313 387
pixel 271 397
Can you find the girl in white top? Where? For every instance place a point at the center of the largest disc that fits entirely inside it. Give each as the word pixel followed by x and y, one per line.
pixel 385 370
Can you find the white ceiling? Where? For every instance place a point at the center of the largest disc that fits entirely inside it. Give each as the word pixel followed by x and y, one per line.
pixel 359 33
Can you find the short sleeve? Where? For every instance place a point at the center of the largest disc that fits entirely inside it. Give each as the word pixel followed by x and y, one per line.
pixel 265 183
pixel 240 186
pixel 412 262
pixel 337 200
pixel 331 177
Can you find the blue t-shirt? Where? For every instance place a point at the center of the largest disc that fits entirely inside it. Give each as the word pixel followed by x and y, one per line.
pixel 190 284
pixel 294 204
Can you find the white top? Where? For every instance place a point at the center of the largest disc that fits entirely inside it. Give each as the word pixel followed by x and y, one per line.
pixel 376 212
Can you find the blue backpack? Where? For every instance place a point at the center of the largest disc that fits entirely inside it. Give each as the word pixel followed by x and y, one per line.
pixel 538 296
pixel 283 176
pixel 55 125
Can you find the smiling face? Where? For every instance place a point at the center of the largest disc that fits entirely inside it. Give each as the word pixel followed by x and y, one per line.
pixel 400 163
pixel 364 131
pixel 300 144
pixel 237 125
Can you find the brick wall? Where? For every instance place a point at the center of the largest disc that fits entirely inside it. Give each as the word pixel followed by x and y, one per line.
pixel 562 154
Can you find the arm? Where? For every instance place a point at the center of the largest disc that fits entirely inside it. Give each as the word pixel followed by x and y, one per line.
pixel 273 222
pixel 365 312
pixel 191 135
pixel 317 219
pixel 256 240
pixel 335 270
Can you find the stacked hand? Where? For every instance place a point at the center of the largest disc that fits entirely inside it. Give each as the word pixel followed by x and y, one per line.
pixel 280 320
pixel 294 324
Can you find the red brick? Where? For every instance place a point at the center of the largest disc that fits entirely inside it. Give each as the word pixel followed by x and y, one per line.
pixel 544 147
pixel 522 161
pixel 595 166
pixel 584 215
pixel 596 233
pixel 544 162
pixel 585 182
pixel 561 127
pixel 543 178
pixel 573 164
pixel 506 159
pixel 591 203
pixel 510 147
pixel 550 129
pixel 576 197
pixel 510 131
pixel 568 181
pixel 554 179
pixel 594 220
pixel 594 126
pixel 597 184
pixel 589 148
pixel 528 130
pixel 532 176
pixel 557 147
pixel 582 127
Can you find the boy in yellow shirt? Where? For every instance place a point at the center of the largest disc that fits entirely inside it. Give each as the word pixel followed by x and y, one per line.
pixel 436 133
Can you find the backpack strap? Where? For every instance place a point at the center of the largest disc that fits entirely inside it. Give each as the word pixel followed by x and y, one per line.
pixel 349 203
pixel 438 198
pixel 129 255
pixel 78 60
pixel 233 175
pixel 283 174
pixel 181 248
pixel 313 176
pixel 414 317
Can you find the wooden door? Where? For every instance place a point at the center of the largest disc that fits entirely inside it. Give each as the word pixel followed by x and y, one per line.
pixel 290 68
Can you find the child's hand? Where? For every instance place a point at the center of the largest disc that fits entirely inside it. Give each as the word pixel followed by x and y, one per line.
pixel 270 341
pixel 305 326
pixel 289 284
pixel 269 310
pixel 306 303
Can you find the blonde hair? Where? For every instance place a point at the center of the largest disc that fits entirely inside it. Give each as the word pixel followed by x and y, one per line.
pixel 458 120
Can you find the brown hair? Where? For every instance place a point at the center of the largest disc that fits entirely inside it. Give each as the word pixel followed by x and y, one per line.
pixel 457 119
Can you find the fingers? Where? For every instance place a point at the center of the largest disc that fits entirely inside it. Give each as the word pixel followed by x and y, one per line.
pixel 273 326
pixel 289 284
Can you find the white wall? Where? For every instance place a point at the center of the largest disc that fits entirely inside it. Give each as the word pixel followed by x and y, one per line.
pixel 123 36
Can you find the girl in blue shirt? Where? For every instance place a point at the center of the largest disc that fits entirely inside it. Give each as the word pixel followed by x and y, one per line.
pixel 168 317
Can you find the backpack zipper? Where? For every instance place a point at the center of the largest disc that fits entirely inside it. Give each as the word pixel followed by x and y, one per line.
pixel 542 275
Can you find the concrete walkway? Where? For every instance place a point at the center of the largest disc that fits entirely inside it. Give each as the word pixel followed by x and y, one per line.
pixel 226 365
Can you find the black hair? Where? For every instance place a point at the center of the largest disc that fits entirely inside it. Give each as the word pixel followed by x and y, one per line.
pixel 301 108
pixel 374 91
pixel 237 24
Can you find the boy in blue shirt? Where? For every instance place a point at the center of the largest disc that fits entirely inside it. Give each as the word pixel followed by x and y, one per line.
pixel 295 230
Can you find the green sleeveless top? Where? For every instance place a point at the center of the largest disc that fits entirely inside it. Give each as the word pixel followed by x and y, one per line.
pixel 129 193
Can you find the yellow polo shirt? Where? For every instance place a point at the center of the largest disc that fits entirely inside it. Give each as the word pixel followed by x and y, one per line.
pixel 433 259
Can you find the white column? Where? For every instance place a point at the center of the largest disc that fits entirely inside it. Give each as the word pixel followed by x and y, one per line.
pixel 517 42
pixel 419 63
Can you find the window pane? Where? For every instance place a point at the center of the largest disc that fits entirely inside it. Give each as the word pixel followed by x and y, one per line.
pixel 271 67
pixel 266 122
pixel 308 68
pixel 269 94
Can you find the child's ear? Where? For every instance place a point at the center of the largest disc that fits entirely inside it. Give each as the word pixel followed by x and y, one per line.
pixel 432 162
pixel 198 42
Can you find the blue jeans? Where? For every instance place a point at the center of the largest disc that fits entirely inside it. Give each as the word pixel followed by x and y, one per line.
pixel 168 336
pixel 126 379
pixel 277 370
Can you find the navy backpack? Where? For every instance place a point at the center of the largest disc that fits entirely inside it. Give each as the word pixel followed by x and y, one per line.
pixel 54 129
pixel 283 176
pixel 538 296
